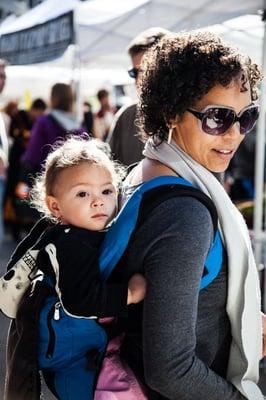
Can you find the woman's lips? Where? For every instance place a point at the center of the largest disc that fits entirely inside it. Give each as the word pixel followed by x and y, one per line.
pixel 225 154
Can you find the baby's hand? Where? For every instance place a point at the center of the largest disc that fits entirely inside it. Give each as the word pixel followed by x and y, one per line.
pixel 136 289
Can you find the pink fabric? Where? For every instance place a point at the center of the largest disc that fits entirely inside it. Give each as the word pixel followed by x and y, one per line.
pixel 116 380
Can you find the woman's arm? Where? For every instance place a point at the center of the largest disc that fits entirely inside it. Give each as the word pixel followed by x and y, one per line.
pixel 182 232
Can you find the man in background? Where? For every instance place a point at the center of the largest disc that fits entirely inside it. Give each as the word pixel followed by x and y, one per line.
pixel 124 136
pixel 3 152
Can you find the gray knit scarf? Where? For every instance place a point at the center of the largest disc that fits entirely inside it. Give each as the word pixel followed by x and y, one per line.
pixel 243 302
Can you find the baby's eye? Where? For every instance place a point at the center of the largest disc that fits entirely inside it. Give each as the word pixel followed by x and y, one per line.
pixel 107 191
pixel 82 194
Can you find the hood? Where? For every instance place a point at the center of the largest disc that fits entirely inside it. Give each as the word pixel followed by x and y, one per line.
pixel 65 119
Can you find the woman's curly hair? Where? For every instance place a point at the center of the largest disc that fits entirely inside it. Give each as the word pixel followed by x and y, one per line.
pixel 180 70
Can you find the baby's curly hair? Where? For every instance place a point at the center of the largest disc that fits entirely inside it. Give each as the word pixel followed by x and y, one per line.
pixel 180 70
pixel 68 153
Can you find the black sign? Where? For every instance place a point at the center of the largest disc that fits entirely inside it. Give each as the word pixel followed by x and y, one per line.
pixel 43 42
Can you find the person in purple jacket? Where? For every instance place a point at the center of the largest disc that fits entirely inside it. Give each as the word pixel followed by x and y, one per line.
pixel 55 125
pixel 59 122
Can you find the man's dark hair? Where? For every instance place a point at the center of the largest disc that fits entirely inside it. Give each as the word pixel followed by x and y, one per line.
pixel 145 40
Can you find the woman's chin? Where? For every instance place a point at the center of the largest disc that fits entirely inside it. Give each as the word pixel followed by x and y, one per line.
pixel 218 169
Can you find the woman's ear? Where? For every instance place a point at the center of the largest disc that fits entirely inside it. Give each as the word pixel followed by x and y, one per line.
pixel 53 206
pixel 171 126
pixel 174 121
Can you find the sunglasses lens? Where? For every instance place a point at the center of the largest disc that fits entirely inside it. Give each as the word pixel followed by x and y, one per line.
pixel 133 73
pixel 248 119
pixel 217 120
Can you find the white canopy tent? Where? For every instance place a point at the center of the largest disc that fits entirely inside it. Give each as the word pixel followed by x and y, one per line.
pixel 104 28
pixel 246 32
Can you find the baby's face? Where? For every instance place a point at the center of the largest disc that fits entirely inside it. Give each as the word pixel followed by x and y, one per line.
pixel 84 196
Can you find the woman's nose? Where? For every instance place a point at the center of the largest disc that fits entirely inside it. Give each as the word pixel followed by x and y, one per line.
pixel 234 130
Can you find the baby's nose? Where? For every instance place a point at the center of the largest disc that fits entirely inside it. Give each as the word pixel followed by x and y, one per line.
pixel 97 202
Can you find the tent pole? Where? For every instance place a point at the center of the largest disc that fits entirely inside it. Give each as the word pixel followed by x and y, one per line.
pixel 260 155
pixel 260 159
pixel 76 82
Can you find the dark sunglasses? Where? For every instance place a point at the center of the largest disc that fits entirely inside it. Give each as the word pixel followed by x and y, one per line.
pixel 216 120
pixel 133 72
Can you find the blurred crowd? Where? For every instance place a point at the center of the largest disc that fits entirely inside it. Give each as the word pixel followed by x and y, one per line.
pixel 27 135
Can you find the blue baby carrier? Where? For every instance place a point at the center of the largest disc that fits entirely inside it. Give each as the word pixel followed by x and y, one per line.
pixel 144 199
pixel 86 335
pixel 88 339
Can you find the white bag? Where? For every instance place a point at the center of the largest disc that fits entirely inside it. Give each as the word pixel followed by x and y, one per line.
pixel 16 281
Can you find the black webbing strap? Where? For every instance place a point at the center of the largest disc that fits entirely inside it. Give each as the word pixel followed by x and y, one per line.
pixel 154 197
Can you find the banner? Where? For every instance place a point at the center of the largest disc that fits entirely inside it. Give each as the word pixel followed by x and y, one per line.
pixel 40 43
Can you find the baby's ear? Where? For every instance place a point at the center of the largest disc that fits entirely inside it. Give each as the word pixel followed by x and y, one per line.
pixel 53 206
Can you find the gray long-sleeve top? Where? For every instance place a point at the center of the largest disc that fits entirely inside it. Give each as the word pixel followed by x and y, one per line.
pixel 185 333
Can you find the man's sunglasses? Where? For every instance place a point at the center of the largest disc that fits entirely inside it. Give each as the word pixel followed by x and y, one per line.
pixel 133 72
pixel 216 120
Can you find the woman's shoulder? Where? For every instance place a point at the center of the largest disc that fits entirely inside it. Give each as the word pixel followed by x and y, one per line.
pixel 188 206
pixel 169 205
pixel 182 214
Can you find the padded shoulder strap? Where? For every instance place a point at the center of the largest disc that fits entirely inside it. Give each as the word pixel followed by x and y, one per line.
pixel 146 197
pixel 158 195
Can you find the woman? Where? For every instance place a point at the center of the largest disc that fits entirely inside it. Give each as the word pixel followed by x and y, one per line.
pixel 196 106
